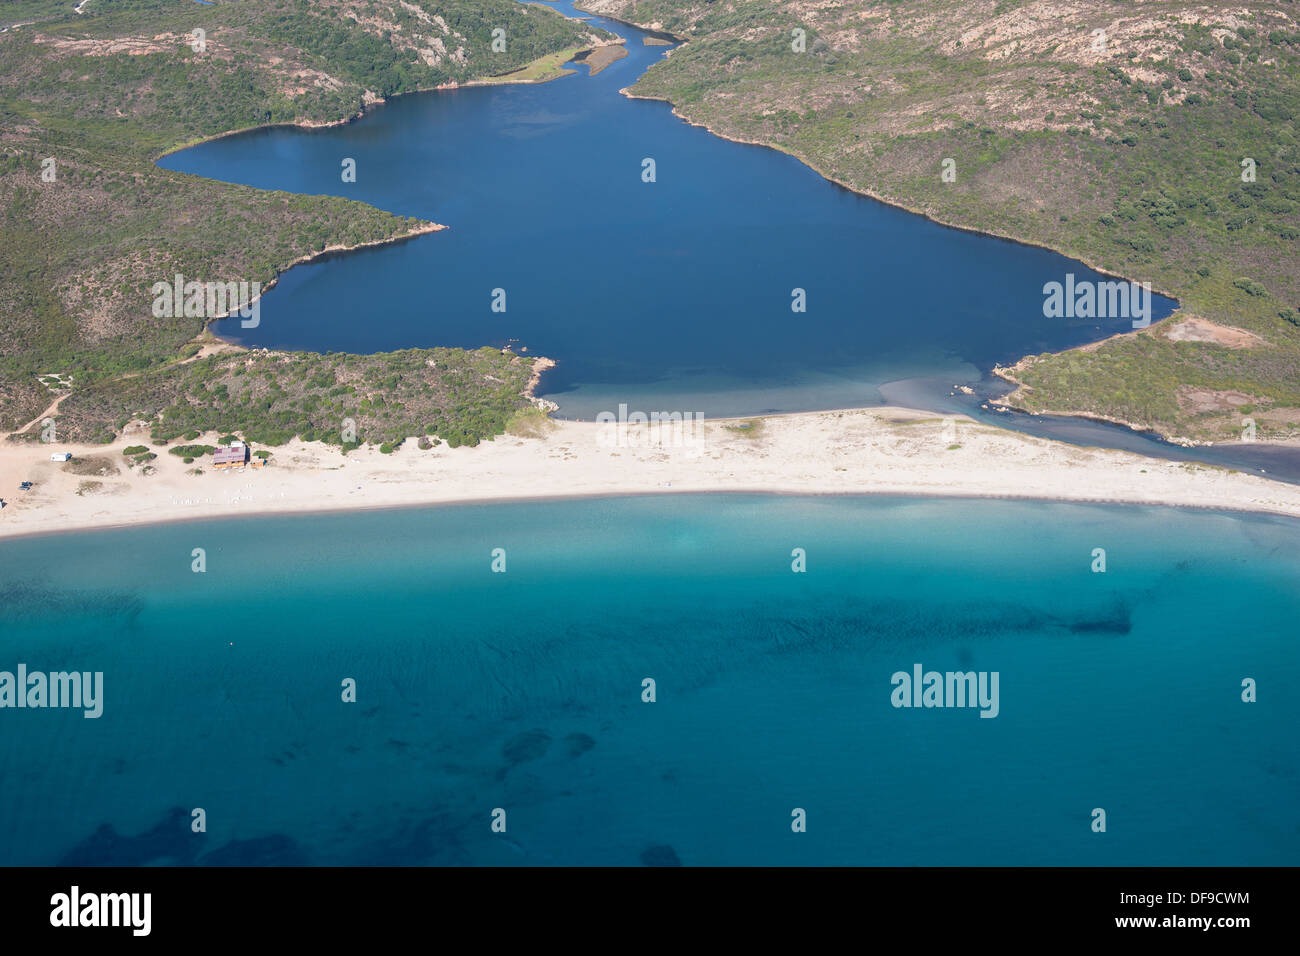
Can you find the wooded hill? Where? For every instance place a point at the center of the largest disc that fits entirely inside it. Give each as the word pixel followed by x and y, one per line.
pixel 1112 130
pixel 103 94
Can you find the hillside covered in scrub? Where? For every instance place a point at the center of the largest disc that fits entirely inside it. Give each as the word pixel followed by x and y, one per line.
pixel 88 222
pixel 1155 139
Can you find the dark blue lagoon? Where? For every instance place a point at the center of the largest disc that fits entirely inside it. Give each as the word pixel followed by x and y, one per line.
pixel 671 294
pixel 522 691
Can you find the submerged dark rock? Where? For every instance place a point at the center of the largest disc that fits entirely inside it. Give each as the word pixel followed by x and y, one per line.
pixel 1117 621
pixel 274 850
pixel 169 840
pixel 661 856
pixel 529 745
pixel 579 744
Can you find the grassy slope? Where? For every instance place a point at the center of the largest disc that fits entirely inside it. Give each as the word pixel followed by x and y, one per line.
pixel 106 92
pixel 33 11
pixel 1127 157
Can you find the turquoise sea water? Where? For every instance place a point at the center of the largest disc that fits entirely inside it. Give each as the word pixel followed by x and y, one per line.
pixel 522 690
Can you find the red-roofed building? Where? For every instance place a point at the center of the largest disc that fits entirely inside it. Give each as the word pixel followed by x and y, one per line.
pixel 232 456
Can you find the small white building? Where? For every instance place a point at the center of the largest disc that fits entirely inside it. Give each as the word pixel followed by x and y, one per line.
pixel 61 456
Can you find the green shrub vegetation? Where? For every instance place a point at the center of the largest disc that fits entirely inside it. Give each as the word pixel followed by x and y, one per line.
pixel 190 452
pixel 105 93
pixel 1130 158
pixel 461 396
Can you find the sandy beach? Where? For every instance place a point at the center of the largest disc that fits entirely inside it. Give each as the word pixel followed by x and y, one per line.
pixel 862 451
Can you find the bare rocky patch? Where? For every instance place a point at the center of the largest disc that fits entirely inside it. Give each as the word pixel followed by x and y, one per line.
pixel 1199 401
pixel 1194 329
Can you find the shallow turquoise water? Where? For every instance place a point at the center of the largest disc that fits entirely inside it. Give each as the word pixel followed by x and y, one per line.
pixel 522 690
